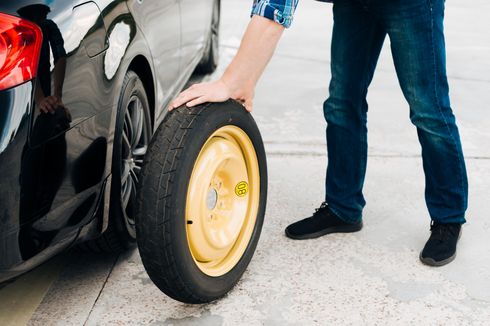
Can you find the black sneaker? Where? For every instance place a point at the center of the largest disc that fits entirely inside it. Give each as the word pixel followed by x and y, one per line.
pixel 440 249
pixel 323 221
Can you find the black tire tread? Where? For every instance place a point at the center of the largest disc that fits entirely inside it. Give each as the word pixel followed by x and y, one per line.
pixel 162 268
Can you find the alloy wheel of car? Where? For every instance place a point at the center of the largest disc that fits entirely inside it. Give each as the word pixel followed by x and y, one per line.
pixel 135 139
pixel 201 200
pixel 131 138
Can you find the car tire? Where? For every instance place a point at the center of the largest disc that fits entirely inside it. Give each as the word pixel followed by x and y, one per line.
pixel 131 139
pixel 210 149
pixel 210 58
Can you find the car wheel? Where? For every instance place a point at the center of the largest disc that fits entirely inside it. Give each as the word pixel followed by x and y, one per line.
pixel 201 201
pixel 210 58
pixel 131 139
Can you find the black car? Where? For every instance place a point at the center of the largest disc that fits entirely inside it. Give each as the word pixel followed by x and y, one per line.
pixel 83 89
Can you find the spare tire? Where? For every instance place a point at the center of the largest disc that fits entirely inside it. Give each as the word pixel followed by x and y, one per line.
pixel 201 201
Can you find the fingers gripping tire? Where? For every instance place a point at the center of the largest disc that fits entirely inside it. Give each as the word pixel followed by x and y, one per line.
pixel 201 201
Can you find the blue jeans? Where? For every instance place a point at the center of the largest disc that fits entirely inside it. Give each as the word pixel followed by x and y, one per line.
pixel 415 29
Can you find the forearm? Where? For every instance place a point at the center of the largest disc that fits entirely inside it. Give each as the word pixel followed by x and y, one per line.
pixel 239 80
pixel 258 45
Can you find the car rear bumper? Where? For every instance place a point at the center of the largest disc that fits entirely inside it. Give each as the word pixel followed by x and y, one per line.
pixel 15 118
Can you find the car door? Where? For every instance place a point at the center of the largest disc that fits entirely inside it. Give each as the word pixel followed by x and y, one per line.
pixel 196 23
pixel 159 21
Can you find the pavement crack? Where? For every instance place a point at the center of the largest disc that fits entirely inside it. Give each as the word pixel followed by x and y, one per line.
pixel 101 290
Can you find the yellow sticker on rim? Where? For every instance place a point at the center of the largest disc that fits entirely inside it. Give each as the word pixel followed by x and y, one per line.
pixel 241 189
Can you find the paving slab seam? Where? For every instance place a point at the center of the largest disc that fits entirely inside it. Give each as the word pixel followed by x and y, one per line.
pixel 288 56
pixel 313 154
pixel 101 290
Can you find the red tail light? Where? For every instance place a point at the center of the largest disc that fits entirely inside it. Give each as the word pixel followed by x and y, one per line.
pixel 20 47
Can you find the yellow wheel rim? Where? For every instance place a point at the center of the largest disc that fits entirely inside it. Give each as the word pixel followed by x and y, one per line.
pixel 222 201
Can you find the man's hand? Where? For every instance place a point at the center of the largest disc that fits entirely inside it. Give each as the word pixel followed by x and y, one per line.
pixel 217 91
pixel 49 104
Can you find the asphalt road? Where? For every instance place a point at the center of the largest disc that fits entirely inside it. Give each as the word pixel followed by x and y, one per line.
pixel 371 277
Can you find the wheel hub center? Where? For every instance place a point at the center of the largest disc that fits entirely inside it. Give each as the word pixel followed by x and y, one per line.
pixel 222 226
pixel 212 199
pixel 131 163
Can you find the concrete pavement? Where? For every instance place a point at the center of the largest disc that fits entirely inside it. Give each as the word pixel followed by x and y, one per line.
pixel 371 277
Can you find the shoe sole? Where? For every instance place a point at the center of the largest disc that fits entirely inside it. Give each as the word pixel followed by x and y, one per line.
pixel 337 229
pixel 431 262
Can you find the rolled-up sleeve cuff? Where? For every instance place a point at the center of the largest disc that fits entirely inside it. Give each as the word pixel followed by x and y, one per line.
pixel 282 14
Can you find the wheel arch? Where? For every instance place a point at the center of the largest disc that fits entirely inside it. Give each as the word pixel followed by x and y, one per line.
pixel 142 68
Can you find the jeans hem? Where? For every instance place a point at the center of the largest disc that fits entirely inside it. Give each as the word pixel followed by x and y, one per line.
pixel 343 218
pixel 452 220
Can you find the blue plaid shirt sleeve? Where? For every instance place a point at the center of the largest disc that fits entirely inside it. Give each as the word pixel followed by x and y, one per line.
pixel 280 11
